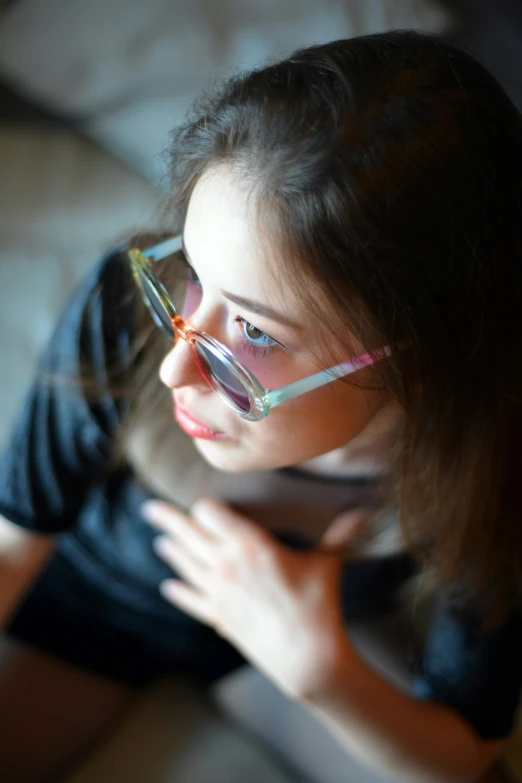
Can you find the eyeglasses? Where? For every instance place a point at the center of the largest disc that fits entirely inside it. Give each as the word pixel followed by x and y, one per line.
pixel 234 383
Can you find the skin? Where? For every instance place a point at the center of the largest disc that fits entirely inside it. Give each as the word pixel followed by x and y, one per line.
pixel 279 607
pixel 337 429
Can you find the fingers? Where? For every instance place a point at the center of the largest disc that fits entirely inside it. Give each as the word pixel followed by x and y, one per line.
pixel 183 562
pixel 176 523
pixel 188 600
pixel 344 529
pixel 220 519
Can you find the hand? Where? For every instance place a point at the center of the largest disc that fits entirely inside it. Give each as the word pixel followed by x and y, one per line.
pixel 279 607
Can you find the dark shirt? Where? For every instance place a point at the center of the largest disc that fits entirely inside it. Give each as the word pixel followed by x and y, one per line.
pixel 56 477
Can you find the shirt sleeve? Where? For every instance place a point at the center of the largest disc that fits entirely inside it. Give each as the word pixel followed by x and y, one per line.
pixel 476 672
pixel 63 436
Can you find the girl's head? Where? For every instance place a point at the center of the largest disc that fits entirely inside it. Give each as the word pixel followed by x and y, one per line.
pixel 236 269
pixel 370 191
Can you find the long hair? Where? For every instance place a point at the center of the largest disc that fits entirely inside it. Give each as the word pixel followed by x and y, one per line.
pixel 389 168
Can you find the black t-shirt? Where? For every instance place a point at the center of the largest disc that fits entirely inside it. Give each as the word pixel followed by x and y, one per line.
pixel 55 477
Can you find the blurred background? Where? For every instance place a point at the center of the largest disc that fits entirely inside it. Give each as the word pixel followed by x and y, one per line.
pixel 88 94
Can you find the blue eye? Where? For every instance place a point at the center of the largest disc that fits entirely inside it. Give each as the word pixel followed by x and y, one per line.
pixel 192 277
pixel 254 334
pixel 189 269
pixel 256 340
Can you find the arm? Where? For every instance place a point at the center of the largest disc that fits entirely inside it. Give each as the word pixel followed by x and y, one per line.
pixel 22 556
pixel 281 610
pixel 63 437
pixel 400 736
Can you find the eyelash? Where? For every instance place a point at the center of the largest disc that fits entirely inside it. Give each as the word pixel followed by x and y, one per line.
pixel 255 350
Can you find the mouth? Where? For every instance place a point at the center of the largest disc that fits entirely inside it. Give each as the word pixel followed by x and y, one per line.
pixel 194 427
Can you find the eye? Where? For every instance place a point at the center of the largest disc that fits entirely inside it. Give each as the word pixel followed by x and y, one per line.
pixel 253 339
pixel 254 334
pixel 187 292
pixel 189 269
pixel 256 340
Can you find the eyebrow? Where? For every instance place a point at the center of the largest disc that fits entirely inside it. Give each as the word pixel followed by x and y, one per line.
pixel 249 304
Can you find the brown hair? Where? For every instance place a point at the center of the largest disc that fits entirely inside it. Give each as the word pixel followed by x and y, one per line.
pixel 390 166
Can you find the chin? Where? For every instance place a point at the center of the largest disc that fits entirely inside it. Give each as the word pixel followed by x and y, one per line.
pixel 227 457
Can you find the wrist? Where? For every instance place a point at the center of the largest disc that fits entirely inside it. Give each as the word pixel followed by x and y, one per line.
pixel 338 662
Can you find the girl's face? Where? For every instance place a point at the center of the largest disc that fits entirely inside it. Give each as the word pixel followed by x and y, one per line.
pixel 229 256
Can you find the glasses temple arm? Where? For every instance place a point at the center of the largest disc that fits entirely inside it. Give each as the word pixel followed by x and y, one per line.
pixel 276 396
pixel 163 249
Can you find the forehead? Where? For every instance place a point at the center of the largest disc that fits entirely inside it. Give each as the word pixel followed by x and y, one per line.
pixel 231 248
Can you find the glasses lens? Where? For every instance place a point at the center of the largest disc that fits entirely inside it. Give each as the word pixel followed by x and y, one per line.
pixel 221 378
pixel 157 307
pixel 185 292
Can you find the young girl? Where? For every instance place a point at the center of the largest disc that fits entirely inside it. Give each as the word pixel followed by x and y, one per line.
pixel 340 356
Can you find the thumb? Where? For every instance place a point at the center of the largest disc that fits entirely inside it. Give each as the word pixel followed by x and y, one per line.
pixel 343 530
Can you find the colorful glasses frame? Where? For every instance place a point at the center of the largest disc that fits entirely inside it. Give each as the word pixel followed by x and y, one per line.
pixel 261 400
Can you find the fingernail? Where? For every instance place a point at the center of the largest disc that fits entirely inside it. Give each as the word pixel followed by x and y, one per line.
pixel 169 588
pixel 149 510
pixel 161 545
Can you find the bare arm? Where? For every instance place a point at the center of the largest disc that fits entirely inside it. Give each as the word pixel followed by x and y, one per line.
pixel 402 737
pixel 22 556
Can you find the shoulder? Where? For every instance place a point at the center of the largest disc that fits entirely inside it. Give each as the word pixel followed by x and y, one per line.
pixel 96 325
pixel 474 668
pixel 63 437
pixel 107 292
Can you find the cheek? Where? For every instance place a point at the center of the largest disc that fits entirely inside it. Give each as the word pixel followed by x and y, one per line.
pixel 272 371
pixel 257 364
pixel 319 422
pixel 164 369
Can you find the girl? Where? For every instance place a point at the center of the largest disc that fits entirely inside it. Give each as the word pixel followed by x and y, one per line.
pixel 339 322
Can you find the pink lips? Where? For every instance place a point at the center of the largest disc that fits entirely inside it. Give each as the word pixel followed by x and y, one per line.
pixel 193 427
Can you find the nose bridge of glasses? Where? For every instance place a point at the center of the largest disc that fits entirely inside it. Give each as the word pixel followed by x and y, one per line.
pixel 182 328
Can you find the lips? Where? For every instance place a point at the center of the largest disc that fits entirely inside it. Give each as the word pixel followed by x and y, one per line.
pixel 193 426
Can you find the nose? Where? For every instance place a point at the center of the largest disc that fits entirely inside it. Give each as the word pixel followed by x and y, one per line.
pixel 179 368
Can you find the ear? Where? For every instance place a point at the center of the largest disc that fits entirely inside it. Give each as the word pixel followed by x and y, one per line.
pixel 343 530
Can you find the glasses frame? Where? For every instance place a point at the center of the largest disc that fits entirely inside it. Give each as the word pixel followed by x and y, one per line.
pixel 261 400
